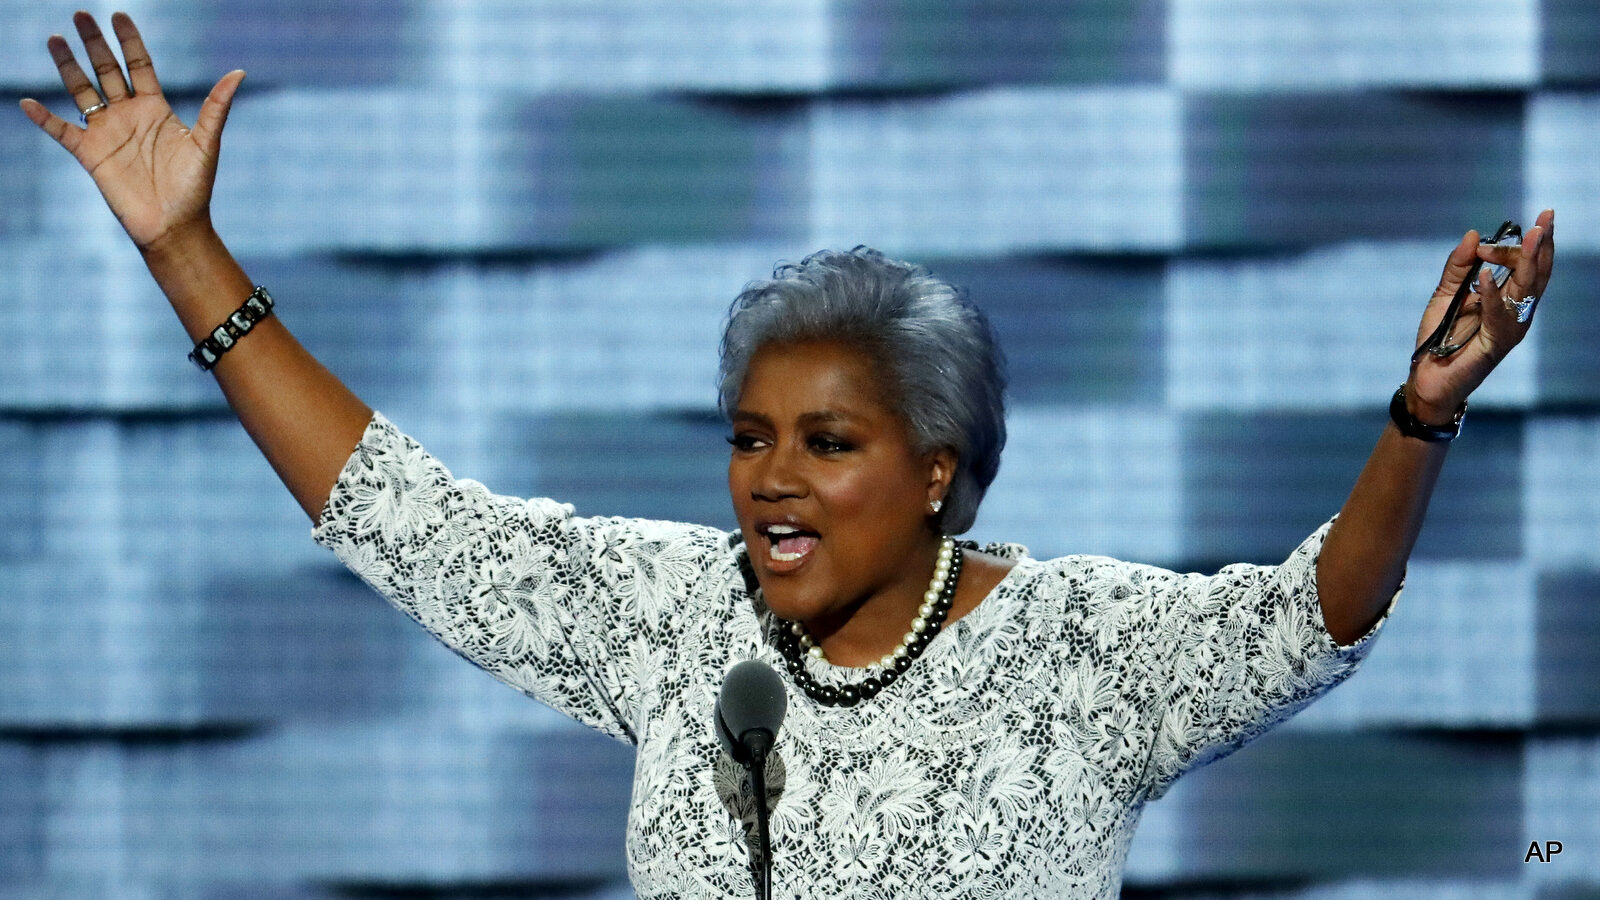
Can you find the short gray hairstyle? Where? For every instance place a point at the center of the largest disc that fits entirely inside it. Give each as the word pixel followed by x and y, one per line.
pixel 936 353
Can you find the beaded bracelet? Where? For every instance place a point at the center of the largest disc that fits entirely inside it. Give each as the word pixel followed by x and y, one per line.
pixel 256 307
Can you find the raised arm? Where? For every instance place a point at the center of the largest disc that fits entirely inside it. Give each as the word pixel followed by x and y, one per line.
pixel 156 175
pixel 1364 557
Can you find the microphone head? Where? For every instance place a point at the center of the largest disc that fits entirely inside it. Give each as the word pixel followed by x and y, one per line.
pixel 752 700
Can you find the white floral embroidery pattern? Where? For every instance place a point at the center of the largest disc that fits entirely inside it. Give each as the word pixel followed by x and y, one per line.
pixel 1013 760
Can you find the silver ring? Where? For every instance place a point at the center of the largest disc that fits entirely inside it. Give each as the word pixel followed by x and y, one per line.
pixel 1523 308
pixel 83 114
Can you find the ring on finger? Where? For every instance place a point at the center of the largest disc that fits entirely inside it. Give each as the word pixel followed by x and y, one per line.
pixel 1523 308
pixel 83 114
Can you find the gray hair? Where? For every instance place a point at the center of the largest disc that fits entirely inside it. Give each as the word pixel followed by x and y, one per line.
pixel 936 352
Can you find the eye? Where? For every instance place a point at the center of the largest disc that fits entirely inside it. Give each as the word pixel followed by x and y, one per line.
pixel 743 443
pixel 827 443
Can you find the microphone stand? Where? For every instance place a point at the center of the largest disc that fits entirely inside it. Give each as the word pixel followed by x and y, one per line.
pixel 749 711
pixel 757 742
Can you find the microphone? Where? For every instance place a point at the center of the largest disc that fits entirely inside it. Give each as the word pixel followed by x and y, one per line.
pixel 749 711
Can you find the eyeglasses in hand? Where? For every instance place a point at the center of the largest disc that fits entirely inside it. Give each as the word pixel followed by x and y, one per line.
pixel 1442 343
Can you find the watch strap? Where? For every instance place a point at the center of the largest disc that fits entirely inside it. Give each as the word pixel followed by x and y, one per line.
pixel 1411 426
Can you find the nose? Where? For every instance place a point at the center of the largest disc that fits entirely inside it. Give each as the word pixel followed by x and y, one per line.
pixel 778 476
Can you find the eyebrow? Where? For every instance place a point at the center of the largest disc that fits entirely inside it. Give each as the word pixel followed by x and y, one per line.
pixel 819 417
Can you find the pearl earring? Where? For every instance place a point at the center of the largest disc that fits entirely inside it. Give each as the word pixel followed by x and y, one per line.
pixel 937 505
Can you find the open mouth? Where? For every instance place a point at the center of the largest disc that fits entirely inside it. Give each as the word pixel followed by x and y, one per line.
pixel 789 543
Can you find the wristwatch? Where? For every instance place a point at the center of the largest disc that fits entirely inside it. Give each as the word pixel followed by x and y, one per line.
pixel 1411 426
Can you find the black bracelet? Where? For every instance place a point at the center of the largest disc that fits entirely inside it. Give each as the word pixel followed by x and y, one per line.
pixel 256 307
pixel 1411 426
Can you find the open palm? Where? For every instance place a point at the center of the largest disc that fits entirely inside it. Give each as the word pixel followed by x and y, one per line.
pixel 155 173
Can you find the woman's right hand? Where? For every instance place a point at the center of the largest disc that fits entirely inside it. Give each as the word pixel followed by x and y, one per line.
pixel 155 173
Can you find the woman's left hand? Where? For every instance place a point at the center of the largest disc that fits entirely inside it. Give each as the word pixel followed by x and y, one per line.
pixel 1439 385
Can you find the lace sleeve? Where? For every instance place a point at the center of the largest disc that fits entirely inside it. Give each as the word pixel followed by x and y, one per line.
pixel 1238 652
pixel 573 612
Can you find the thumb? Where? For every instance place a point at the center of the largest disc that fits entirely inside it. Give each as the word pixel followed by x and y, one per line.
pixel 214 112
pixel 1458 264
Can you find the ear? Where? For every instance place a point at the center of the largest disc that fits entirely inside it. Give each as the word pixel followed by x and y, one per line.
pixel 941 471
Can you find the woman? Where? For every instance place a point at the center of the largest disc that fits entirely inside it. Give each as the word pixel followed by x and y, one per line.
pixel 961 723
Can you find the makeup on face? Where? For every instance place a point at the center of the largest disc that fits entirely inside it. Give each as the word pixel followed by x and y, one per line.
pixel 829 492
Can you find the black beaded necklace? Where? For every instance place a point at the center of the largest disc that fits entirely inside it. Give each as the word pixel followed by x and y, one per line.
pixel 794 643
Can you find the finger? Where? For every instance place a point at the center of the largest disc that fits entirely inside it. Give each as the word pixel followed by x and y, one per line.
pixel 140 70
pixel 1500 254
pixel 214 112
pixel 1547 251
pixel 66 135
pixel 1500 330
pixel 1525 274
pixel 77 84
pixel 1524 277
pixel 105 64
pixel 1457 265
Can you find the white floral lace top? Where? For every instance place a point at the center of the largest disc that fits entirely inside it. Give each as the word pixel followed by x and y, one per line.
pixel 1012 759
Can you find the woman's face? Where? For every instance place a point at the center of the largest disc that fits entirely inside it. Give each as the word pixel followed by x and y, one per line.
pixel 830 495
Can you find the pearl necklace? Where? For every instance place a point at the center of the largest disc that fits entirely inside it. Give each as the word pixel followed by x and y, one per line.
pixel 796 643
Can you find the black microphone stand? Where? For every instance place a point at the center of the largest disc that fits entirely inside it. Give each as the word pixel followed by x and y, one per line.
pixel 758 742
pixel 749 711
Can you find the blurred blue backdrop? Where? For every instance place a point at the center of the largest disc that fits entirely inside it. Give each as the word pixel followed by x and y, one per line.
pixel 1204 228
